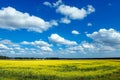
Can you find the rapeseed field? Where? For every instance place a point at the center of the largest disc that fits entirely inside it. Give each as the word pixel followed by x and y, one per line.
pixel 59 69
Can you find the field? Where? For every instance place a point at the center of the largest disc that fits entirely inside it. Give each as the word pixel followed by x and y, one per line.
pixel 59 69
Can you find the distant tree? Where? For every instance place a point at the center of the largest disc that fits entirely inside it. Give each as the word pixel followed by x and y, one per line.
pixel 4 57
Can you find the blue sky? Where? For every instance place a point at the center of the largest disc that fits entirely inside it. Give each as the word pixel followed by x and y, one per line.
pixel 60 28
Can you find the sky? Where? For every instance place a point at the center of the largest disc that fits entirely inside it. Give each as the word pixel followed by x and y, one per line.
pixel 60 28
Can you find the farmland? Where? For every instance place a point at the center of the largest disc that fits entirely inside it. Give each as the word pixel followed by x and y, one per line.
pixel 59 69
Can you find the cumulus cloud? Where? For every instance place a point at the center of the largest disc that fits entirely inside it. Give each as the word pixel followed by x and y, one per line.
pixel 74 49
pixel 10 48
pixel 70 12
pixel 103 41
pixel 87 45
pixel 74 12
pixel 90 9
pixel 7 47
pixel 109 36
pixel 89 24
pixel 44 46
pixel 75 32
pixel 2 46
pixel 39 42
pixel 82 48
pixel 106 39
pixel 47 4
pixel 56 4
pixel 12 19
pixel 65 20
pixel 60 40
pixel 59 2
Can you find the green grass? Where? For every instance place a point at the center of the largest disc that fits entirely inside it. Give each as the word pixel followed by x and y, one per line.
pixel 59 69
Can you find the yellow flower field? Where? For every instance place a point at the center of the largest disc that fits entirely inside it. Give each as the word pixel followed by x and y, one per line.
pixel 59 69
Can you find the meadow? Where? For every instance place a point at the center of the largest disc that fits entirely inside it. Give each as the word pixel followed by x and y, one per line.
pixel 59 69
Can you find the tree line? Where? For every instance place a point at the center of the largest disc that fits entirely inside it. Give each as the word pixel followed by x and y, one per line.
pixel 55 58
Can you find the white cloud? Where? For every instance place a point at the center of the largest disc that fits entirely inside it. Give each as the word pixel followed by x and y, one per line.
pixel 89 24
pixel 44 46
pixel 8 43
pixel 46 49
pixel 82 48
pixel 90 9
pixel 24 48
pixel 109 36
pixel 75 49
pixel 65 20
pixel 11 19
pixel 39 42
pixel 60 40
pixel 70 12
pixel 74 12
pixel 25 43
pixel 56 4
pixel 87 45
pixel 47 4
pixel 8 47
pixel 2 46
pixel 54 22
pixel 59 2
pixel 75 32
pixel 106 40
